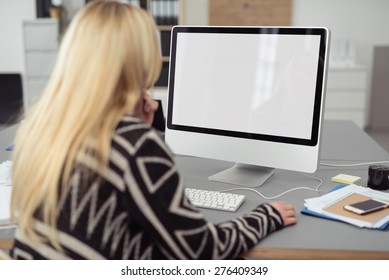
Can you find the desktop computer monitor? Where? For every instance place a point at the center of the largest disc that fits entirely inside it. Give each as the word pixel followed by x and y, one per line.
pixel 249 95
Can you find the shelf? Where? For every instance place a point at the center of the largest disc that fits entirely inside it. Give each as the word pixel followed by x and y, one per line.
pixel 164 12
pixel 165 27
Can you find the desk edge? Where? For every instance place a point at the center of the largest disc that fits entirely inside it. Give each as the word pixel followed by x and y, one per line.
pixel 314 254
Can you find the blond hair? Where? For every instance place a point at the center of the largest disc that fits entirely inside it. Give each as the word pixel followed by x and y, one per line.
pixel 108 56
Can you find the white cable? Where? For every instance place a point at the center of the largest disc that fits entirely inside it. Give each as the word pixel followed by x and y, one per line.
pixel 309 176
pixel 353 164
pixel 269 197
pixel 315 178
pixel 283 193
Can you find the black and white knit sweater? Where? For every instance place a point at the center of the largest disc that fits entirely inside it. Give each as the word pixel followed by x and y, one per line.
pixel 137 209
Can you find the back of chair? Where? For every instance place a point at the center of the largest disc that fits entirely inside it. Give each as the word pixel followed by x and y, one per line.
pixel 11 97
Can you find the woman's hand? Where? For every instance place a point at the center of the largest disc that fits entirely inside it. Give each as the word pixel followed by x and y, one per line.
pixel 287 212
pixel 146 108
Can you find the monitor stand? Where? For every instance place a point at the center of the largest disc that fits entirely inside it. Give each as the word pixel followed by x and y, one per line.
pixel 244 175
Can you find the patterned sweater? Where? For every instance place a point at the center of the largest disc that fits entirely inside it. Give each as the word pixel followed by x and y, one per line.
pixel 137 209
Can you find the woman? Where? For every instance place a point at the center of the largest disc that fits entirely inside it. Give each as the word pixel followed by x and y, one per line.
pixel 91 179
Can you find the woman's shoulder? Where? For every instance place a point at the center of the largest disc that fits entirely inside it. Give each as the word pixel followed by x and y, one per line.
pixel 132 132
pixel 132 128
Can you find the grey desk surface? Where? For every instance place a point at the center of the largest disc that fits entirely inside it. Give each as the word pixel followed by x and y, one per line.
pixel 7 134
pixel 343 142
pixel 311 237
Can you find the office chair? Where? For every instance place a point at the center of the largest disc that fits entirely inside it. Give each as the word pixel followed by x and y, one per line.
pixel 159 119
pixel 11 97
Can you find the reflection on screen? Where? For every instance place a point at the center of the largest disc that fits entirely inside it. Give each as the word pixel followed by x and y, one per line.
pixel 260 83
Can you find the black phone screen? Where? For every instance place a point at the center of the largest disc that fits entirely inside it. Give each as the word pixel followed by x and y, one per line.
pixel 368 205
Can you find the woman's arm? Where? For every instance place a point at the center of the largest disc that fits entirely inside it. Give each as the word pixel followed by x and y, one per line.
pixel 159 205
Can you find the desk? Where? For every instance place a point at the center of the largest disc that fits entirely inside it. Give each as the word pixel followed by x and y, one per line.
pixel 311 237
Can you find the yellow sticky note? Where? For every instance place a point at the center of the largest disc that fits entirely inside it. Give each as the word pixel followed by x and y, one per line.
pixel 345 179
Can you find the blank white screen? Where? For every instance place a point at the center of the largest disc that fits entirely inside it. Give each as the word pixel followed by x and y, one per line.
pixel 255 83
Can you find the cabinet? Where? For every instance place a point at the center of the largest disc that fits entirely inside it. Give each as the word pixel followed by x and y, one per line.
pixel 40 51
pixel 379 113
pixel 346 96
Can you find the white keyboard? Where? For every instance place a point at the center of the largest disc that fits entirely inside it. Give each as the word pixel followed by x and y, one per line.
pixel 214 199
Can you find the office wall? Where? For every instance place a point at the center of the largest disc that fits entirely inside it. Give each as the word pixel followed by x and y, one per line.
pixel 363 21
pixel 196 12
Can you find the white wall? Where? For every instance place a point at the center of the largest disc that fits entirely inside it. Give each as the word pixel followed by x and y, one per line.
pixel 195 12
pixel 363 21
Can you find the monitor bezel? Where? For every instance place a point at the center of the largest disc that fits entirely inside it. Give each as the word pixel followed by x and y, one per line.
pixel 315 131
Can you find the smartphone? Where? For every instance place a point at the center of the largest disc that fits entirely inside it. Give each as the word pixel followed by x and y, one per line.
pixel 366 206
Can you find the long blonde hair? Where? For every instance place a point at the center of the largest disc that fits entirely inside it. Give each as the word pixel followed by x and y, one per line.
pixel 108 56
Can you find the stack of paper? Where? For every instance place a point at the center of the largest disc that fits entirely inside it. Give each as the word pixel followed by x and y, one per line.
pixel 5 192
pixel 5 173
pixel 331 206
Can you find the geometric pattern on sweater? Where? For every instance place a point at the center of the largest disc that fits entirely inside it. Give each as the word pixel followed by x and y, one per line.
pixel 136 209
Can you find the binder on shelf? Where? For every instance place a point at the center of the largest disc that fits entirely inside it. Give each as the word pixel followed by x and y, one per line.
pixel 165 12
pixel 155 11
pixel 134 2
pixel 166 15
pixel 143 4
pixel 172 12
